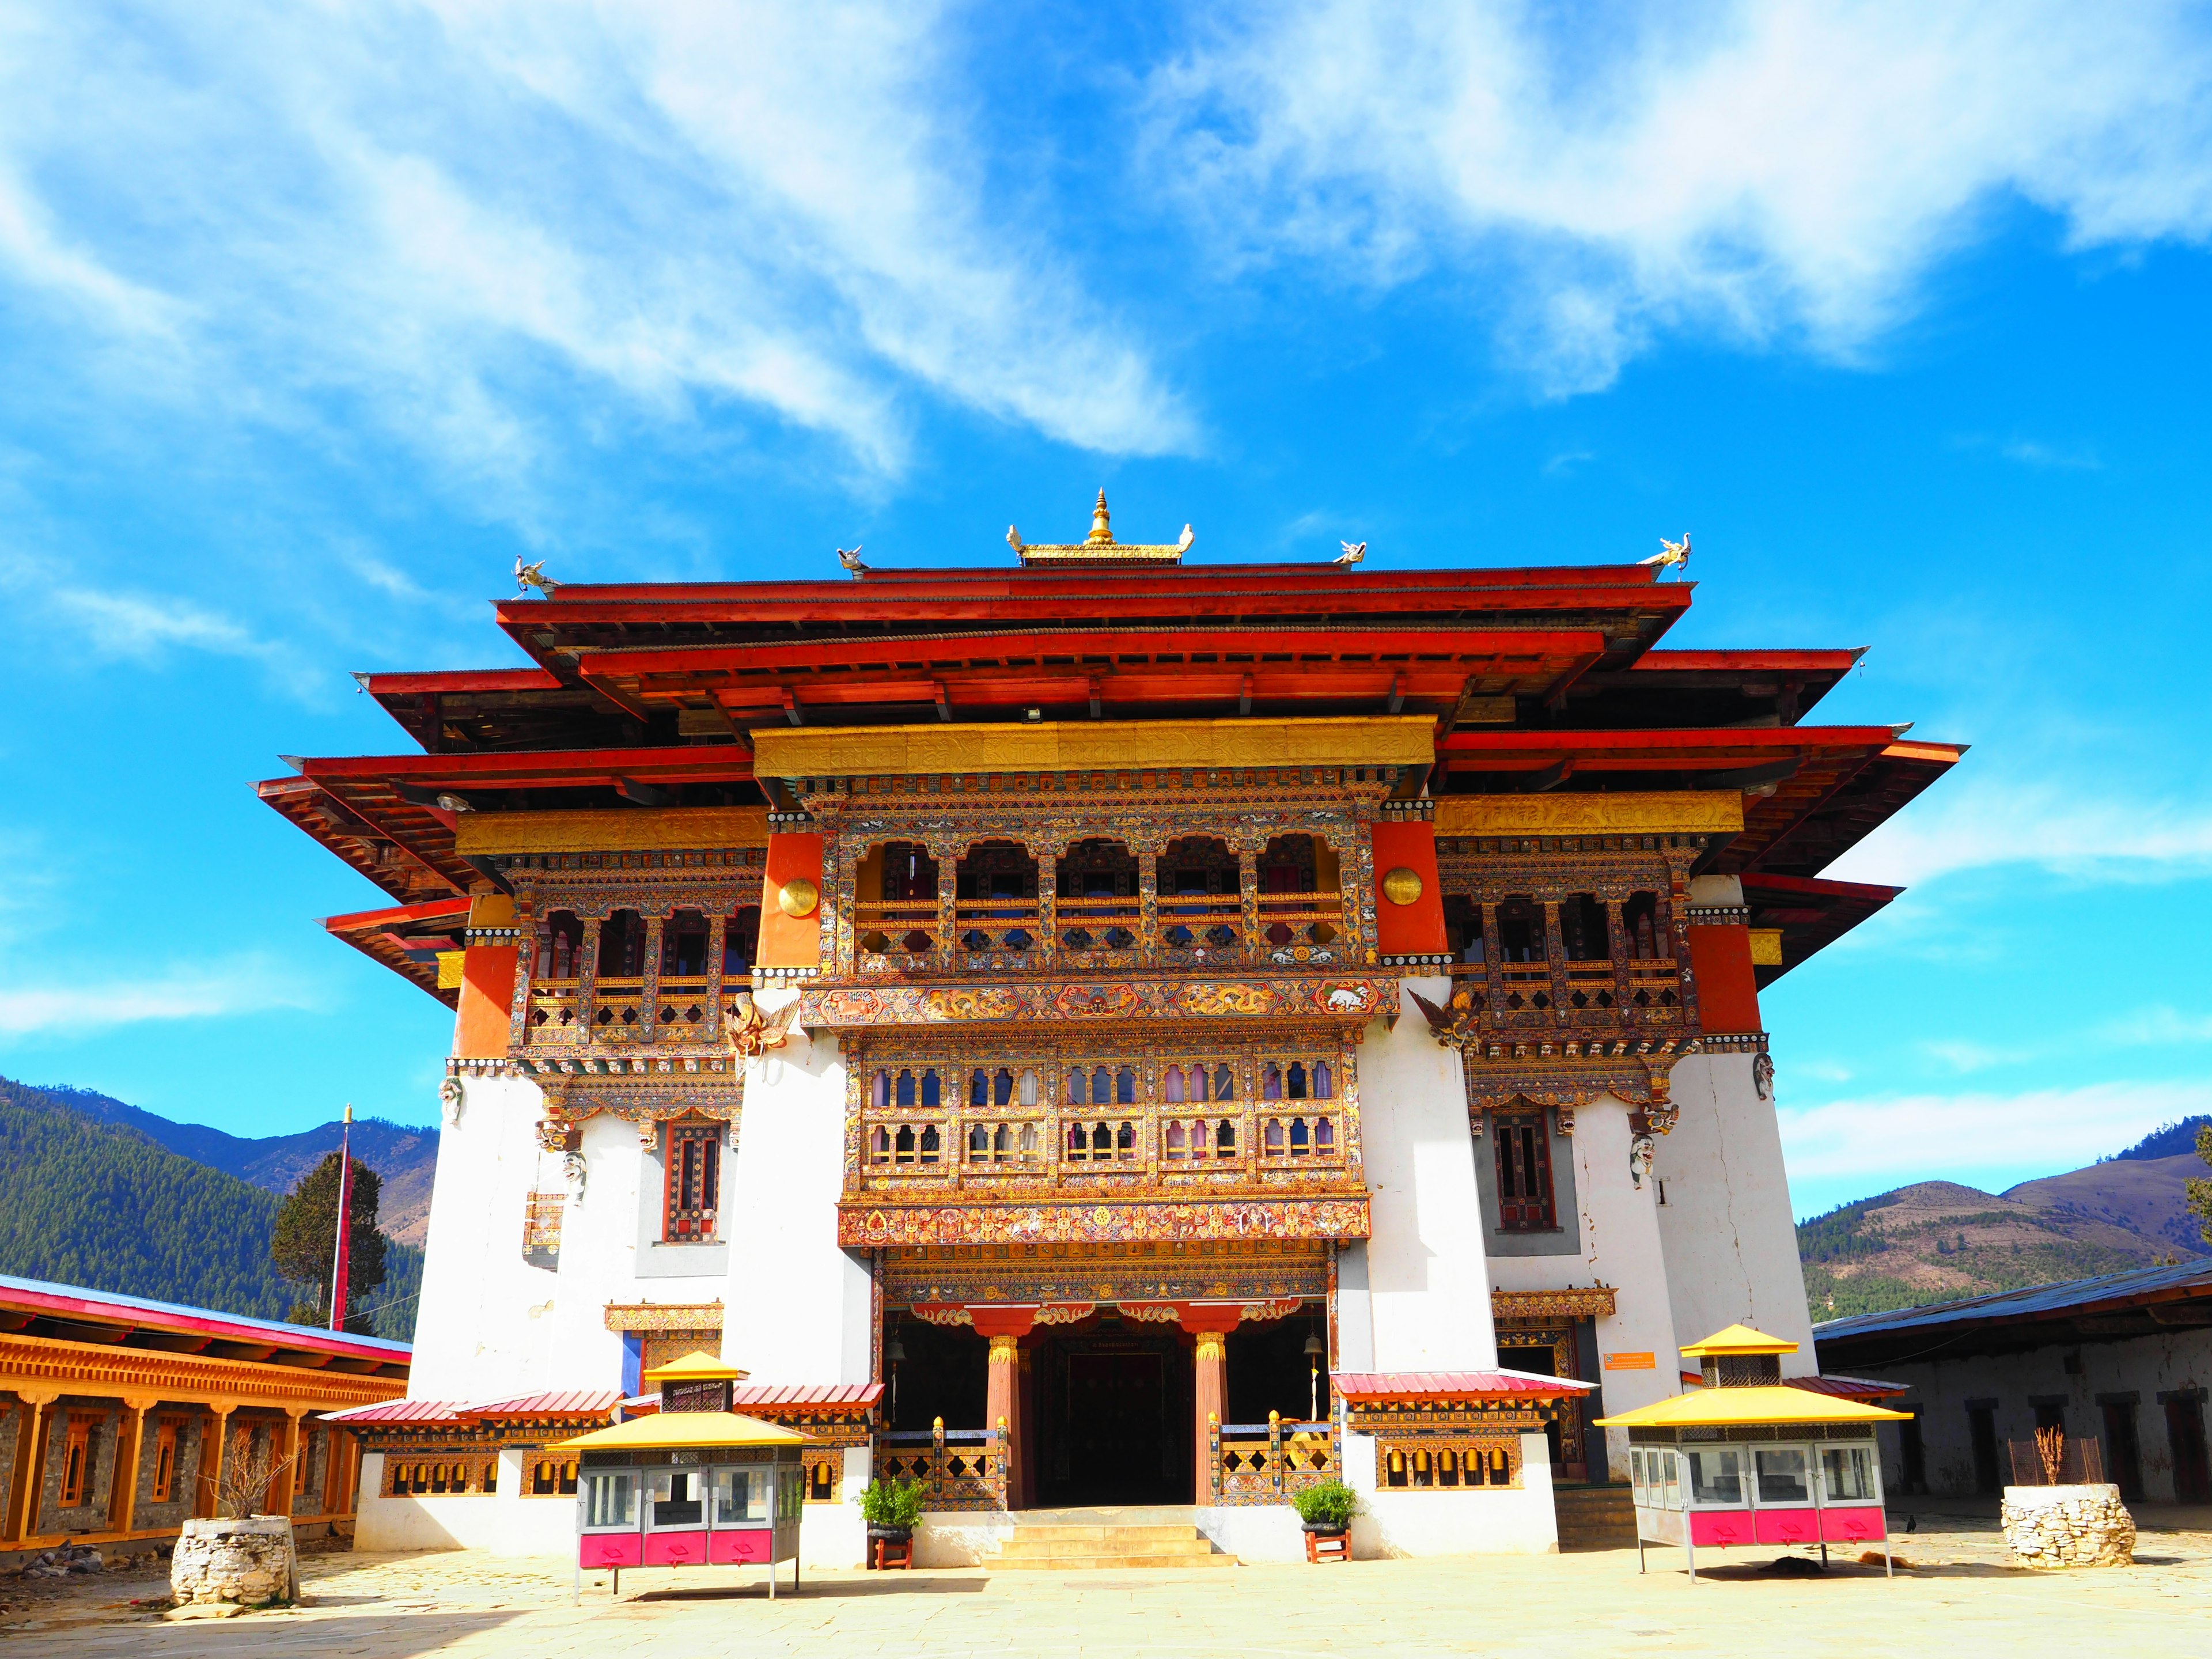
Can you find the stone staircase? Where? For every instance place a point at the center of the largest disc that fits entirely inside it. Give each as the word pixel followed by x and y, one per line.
pixel 1595 1517
pixel 1069 1541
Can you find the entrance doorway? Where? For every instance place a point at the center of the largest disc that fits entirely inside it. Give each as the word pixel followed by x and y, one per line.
pixel 1113 1419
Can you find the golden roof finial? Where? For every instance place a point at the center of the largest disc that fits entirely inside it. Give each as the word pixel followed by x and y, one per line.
pixel 1102 524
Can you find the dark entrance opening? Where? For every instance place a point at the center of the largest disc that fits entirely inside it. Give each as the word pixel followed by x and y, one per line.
pixel 1113 1409
pixel 931 1371
pixel 1544 1362
pixel 1269 1370
pixel 1982 1444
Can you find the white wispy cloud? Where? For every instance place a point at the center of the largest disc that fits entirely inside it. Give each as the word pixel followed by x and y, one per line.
pixel 68 1006
pixel 448 210
pixel 1969 824
pixel 2158 1027
pixel 1977 1138
pixel 1766 169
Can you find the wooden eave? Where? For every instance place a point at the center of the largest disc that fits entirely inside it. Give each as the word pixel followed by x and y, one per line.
pixel 1724 749
pixel 387 936
pixel 1821 830
pixel 1811 912
pixel 1127 667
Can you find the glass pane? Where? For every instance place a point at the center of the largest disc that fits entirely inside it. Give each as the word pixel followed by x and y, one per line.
pixel 1672 1475
pixel 1716 1477
pixel 1636 1471
pixel 678 1498
pixel 1849 1473
pixel 1782 1477
pixel 608 1499
pixel 740 1496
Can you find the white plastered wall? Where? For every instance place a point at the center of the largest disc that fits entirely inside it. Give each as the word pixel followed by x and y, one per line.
pixel 798 1306
pixel 500 1523
pixel 1493 1521
pixel 1427 1284
pixel 1730 1237
pixel 1621 1247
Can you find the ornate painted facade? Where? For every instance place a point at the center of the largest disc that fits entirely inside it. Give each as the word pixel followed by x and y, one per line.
pixel 1093 1003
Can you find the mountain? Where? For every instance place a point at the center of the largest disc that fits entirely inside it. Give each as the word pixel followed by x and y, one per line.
pixel 89 1200
pixel 1937 1241
pixel 406 1157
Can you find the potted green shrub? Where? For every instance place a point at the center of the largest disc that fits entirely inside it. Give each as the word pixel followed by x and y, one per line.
pixel 890 1508
pixel 1326 1508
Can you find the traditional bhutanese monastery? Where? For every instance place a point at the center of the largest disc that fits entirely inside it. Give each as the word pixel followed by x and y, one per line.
pixel 1099 1030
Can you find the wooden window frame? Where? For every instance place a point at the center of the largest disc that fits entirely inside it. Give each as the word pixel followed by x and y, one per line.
pixel 1517 1135
pixel 691 1188
pixel 76 1461
pixel 168 1435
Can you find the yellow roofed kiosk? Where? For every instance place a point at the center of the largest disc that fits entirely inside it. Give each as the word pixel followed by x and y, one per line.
pixel 691 1484
pixel 1748 1459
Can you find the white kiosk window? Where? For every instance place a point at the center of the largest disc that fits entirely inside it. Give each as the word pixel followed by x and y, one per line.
pixel 677 1498
pixel 1783 1476
pixel 1848 1475
pixel 610 1500
pixel 1670 1477
pixel 1716 1477
pixel 741 1496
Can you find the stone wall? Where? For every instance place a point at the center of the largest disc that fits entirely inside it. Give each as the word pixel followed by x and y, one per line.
pixel 2056 1527
pixel 251 1562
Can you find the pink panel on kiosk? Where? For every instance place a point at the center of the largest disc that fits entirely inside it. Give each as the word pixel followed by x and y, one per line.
pixel 1789 1526
pixel 1720 1529
pixel 741 1548
pixel 611 1549
pixel 1852 1525
pixel 675 1549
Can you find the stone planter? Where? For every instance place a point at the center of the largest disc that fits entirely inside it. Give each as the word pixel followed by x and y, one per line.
pixel 248 1562
pixel 2053 1528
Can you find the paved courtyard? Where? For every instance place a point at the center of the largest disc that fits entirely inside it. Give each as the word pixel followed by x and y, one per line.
pixel 1958 1600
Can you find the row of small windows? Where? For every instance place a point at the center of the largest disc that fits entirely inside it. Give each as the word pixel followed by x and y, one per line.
pixel 1585 928
pixel 1105 1140
pixel 685 942
pixel 924 1088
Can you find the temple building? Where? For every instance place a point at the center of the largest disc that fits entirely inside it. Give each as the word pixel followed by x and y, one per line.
pixel 1094 1029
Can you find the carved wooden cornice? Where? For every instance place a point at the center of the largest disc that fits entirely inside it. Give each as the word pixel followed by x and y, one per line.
pixel 1589 1301
pixel 628 1316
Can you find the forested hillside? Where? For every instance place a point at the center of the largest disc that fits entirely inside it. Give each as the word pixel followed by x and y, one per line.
pixel 96 1204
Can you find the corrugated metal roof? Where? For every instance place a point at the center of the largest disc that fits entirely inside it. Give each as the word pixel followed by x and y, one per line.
pixel 400 1410
pixel 110 1308
pixel 1428 1385
pixel 1847 1387
pixel 747 1396
pixel 554 1402
pixel 2181 1280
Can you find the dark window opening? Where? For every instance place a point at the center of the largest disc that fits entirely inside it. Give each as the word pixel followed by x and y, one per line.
pixel 1583 926
pixel 683 946
pixel 1521 931
pixel 693 1182
pixel 1981 1441
pixel 741 941
pixel 1462 928
pixel 1639 920
pixel 2123 1449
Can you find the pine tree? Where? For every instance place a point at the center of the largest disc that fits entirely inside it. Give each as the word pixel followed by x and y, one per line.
pixel 305 1242
pixel 2200 1190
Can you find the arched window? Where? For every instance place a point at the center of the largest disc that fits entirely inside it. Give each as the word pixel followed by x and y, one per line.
pixel 1003 1144
pixel 905 1088
pixel 929 1144
pixel 1324 1085
pixel 1002 1087
pixel 1271 1082
pixel 1125 1087
pixel 1170 1087
pixel 979 1089
pixel 979 1145
pixel 1225 1138
pixel 1178 1141
pixel 879 1092
pixel 1028 1092
pixel 1324 1137
pixel 1298 1081
pixel 930 1094
pixel 1125 1140
pixel 1225 1084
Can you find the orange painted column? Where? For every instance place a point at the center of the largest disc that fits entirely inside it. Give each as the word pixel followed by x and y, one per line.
pixel 485 1004
pixel 30 1467
pixel 1004 1328
pixel 1210 1387
pixel 1409 901
pixel 791 904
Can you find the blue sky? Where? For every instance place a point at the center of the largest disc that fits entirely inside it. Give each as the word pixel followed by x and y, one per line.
pixel 314 318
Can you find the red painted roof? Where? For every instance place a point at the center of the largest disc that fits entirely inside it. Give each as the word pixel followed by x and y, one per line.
pixel 400 1410
pixel 747 1396
pixel 1455 1385
pixel 137 1313
pixel 552 1402
pixel 1848 1387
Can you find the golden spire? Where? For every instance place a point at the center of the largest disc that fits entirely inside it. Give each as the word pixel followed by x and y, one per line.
pixel 1102 524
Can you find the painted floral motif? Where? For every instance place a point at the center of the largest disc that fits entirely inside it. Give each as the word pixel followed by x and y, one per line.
pixel 1286 1218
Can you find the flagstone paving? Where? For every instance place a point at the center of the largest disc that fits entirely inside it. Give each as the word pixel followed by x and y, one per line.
pixel 1959 1600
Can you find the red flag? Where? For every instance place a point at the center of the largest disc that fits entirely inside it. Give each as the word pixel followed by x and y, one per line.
pixel 345 1229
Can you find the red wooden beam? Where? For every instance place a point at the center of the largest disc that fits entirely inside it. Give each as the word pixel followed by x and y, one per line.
pixel 503 769
pixel 440 682
pixel 1615 750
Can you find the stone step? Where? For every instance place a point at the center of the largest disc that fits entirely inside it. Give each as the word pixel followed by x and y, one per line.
pixel 1069 1533
pixel 1017 1549
pixel 1086 1562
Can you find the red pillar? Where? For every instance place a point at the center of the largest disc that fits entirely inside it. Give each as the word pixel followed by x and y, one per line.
pixel 1210 1395
pixel 1004 1328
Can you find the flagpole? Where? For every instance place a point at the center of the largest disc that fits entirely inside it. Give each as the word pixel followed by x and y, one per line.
pixel 338 1262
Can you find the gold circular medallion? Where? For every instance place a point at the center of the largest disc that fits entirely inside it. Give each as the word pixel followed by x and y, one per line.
pixel 1402 885
pixel 798 896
